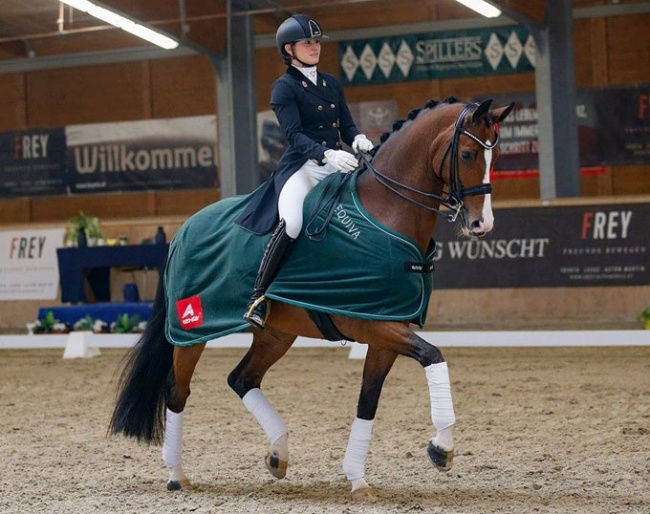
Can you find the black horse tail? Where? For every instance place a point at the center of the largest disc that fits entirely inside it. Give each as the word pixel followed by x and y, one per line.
pixel 147 368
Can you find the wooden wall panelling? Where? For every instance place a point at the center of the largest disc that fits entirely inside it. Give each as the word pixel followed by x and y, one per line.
pixel 534 10
pixel 13 112
pixel 147 95
pixel 183 87
pixel 631 180
pixel 628 49
pixel 515 189
pixel 89 94
pixel 115 205
pixel 16 210
pixel 584 43
pixel 599 53
pixel 186 202
pixel 598 184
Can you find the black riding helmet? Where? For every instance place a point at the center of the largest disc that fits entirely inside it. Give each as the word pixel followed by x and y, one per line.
pixel 298 27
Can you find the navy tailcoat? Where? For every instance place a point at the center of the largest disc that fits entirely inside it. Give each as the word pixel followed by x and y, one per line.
pixel 314 118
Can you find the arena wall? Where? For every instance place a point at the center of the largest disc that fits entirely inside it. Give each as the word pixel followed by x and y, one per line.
pixel 463 309
pixel 611 51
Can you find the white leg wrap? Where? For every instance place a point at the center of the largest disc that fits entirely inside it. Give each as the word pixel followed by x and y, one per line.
pixel 354 462
pixel 265 414
pixel 172 450
pixel 442 407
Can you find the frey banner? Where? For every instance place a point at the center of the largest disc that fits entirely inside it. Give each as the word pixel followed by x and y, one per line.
pixel 32 163
pixel 29 268
pixel 175 153
pixel 596 245
pixel 437 55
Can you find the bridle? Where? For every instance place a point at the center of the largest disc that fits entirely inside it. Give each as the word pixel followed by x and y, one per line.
pixel 454 199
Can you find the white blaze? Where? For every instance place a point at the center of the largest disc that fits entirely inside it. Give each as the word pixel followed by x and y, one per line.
pixel 488 217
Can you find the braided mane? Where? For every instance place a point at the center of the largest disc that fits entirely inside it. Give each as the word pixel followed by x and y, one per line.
pixel 411 116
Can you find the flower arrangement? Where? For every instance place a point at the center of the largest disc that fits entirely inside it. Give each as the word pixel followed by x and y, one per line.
pixel 49 325
pixel 124 324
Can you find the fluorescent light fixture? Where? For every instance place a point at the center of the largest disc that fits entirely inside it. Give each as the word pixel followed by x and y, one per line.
pixel 481 7
pixel 123 23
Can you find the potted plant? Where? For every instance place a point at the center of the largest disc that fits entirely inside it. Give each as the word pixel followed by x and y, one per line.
pixel 86 222
pixel 644 318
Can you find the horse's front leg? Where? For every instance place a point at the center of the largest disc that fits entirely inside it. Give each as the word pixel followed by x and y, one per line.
pixel 408 343
pixel 185 360
pixel 376 367
pixel 268 347
pixel 398 338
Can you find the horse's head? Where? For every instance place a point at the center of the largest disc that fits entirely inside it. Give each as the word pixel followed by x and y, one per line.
pixel 462 156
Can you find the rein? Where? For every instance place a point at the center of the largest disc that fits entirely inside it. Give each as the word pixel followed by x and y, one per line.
pixel 454 199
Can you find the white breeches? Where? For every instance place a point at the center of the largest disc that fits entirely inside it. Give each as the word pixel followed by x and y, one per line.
pixel 295 191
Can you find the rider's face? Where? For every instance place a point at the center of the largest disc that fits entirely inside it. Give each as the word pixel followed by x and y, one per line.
pixel 307 51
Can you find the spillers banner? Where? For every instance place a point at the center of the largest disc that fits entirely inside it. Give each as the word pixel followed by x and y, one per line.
pixel 596 245
pixel 437 55
pixel 175 153
pixel 32 163
pixel 613 129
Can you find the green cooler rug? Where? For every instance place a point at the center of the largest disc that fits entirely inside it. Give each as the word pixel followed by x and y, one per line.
pixel 356 267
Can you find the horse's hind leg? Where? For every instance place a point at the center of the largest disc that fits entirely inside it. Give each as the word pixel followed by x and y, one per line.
pixel 267 348
pixel 185 360
pixel 376 367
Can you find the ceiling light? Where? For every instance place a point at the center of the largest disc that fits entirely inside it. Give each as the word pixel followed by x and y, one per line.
pixel 481 7
pixel 120 21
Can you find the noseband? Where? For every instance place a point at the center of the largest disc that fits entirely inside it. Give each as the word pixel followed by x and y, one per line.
pixel 454 199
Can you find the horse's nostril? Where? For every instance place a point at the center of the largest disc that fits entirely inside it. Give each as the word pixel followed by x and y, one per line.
pixel 477 224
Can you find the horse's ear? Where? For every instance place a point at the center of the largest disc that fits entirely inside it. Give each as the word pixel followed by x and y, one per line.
pixel 481 110
pixel 500 114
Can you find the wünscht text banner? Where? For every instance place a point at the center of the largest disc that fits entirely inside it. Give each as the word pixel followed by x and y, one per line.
pixel 555 246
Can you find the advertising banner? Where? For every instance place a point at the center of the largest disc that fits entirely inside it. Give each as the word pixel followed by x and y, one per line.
pixel 29 269
pixel 577 246
pixel 176 153
pixel 32 163
pixel 437 55
pixel 613 128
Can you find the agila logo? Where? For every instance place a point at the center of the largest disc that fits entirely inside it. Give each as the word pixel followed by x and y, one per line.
pixel 190 312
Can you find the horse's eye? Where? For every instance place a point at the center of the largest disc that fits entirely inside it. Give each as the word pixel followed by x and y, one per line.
pixel 467 155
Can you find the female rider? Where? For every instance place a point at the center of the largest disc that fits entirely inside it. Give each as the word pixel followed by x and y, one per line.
pixel 311 109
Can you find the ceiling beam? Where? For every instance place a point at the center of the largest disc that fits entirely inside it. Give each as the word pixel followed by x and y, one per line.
pixel 91 58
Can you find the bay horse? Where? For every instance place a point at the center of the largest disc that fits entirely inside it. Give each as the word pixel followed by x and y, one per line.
pixel 436 162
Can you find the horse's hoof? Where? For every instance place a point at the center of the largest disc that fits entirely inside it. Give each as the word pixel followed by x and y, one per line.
pixel 441 459
pixel 276 466
pixel 178 485
pixel 363 495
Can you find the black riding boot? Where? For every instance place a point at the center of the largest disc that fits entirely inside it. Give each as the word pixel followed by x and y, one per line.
pixel 272 260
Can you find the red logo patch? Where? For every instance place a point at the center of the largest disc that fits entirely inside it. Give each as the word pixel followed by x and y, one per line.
pixel 190 312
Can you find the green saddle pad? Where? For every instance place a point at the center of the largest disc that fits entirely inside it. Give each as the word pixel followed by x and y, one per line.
pixel 355 267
